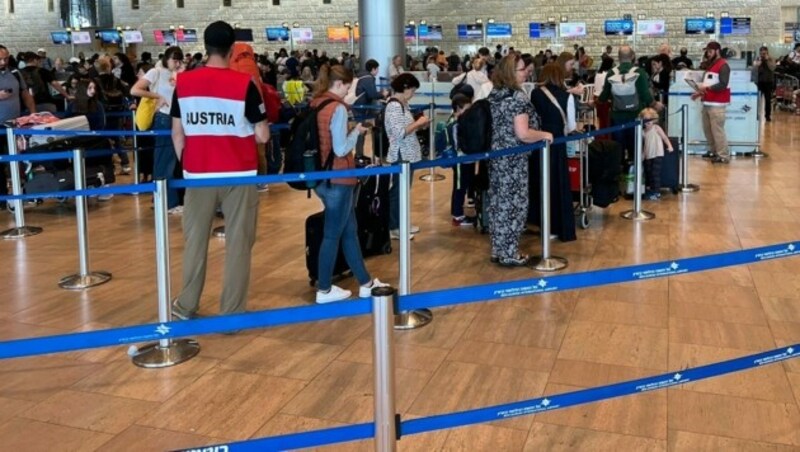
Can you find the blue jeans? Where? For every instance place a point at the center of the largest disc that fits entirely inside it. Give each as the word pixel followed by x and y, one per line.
pixel 394 200
pixel 165 161
pixel 340 226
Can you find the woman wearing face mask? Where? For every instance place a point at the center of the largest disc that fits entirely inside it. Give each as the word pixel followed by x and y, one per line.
pixel 338 195
pixel 159 83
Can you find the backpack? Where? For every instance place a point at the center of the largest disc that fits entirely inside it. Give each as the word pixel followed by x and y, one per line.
pixel 382 142
pixel 463 87
pixel 272 102
pixel 295 91
pixel 113 93
pixel 475 128
pixel 624 96
pixel 302 154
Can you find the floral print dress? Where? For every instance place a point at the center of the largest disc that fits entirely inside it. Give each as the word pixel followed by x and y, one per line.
pixel 508 176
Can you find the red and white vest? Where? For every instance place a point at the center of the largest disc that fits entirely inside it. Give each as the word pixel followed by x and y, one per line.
pixel 220 141
pixel 711 78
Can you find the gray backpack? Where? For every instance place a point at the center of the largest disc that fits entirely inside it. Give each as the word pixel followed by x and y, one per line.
pixel 624 96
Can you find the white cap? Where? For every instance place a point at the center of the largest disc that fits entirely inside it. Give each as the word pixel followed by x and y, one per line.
pixel 41 51
pixel 74 60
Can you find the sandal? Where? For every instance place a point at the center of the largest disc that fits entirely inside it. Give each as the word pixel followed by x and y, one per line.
pixel 519 261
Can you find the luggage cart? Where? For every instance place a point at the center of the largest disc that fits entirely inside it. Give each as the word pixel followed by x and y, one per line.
pixel 785 87
pixel 580 187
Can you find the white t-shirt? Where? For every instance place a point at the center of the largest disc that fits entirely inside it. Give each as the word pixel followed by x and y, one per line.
pixel 162 82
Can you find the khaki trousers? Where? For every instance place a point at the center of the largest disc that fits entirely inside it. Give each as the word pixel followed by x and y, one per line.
pixel 714 130
pixel 240 207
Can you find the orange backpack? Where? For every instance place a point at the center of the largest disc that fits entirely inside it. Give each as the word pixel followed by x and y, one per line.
pixel 243 59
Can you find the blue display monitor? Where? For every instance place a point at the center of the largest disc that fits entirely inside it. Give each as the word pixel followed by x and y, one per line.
pixel 498 30
pixel 545 30
pixel 60 37
pixel 244 34
pixel 700 26
pixel 734 26
pixel 109 36
pixel 470 31
pixel 619 27
pixel 410 32
pixel 277 34
pixel 430 32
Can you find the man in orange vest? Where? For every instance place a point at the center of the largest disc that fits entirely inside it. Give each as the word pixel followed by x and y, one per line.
pixel 716 95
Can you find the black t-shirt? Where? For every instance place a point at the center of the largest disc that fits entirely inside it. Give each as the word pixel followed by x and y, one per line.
pixel 39 81
pixel 254 109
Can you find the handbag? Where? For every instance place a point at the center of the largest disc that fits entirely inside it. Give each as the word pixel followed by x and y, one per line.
pixel 146 111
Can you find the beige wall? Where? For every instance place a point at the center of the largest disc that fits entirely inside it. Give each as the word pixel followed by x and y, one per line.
pixel 28 28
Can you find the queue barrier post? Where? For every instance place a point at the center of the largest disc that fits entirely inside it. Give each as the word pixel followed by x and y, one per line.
pixel 165 352
pixel 546 262
pixel 20 230
pixel 637 214
pixel 407 320
pixel 84 278
pixel 685 186
pixel 432 175
pixel 758 153
pixel 383 357
pixel 135 139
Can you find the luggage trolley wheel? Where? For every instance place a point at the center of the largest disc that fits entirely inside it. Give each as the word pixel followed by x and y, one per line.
pixel 387 248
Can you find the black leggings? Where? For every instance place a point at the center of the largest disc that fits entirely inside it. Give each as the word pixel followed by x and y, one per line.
pixel 652 174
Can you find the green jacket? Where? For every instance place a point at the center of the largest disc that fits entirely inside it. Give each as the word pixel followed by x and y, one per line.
pixel 642 87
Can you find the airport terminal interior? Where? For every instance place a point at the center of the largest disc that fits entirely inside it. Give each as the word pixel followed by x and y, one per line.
pixel 274 381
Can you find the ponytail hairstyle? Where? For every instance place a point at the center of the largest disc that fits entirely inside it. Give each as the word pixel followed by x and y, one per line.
pixel 329 74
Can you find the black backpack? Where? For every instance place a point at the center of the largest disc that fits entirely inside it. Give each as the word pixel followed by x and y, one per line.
pixel 463 87
pixel 475 128
pixel 380 143
pixel 302 154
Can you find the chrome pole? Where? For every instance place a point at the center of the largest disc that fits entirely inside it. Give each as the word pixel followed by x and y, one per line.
pixel 84 278
pixel 407 320
pixel 383 358
pixel 432 175
pixel 685 186
pixel 637 213
pixel 135 149
pixel 758 153
pixel 20 230
pixel 546 262
pixel 165 352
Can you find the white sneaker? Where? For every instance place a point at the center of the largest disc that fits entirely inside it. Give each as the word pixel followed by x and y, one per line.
pixel 414 229
pixel 394 234
pixel 177 210
pixel 335 294
pixel 366 291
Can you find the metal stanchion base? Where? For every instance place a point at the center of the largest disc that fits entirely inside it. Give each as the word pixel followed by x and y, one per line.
pixel 432 177
pixel 76 282
pixel 688 188
pixel 219 232
pixel 154 356
pixel 758 154
pixel 549 264
pixel 412 319
pixel 641 216
pixel 18 233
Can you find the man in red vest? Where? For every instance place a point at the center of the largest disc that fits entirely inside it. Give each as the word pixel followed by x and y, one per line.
pixel 716 95
pixel 218 116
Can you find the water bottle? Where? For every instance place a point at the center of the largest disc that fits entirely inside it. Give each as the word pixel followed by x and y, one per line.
pixel 310 165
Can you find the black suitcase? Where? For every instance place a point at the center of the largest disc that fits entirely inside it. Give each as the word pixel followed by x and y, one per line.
pixel 372 215
pixel 605 168
pixel 315 226
pixel 670 166
pixel 99 169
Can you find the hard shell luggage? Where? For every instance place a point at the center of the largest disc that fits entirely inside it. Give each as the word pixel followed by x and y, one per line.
pixel 372 215
pixel 605 167
pixel 315 226
pixel 670 166
pixel 57 175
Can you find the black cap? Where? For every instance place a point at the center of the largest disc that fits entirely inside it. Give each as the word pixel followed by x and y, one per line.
pixel 219 35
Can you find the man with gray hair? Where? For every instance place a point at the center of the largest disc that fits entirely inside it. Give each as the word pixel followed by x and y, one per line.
pixel 628 88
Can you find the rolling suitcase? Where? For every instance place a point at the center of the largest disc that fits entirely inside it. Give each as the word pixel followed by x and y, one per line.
pixel 315 226
pixel 372 215
pixel 670 166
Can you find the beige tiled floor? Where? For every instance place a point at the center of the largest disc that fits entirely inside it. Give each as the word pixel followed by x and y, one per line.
pixel 318 375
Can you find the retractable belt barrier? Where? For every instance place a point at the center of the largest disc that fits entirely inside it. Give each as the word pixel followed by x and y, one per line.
pixel 438 298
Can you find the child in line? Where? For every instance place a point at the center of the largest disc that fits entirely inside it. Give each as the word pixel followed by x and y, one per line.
pixel 655 140
pixel 463 174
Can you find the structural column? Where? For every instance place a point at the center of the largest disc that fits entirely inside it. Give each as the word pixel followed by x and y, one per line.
pixel 381 28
